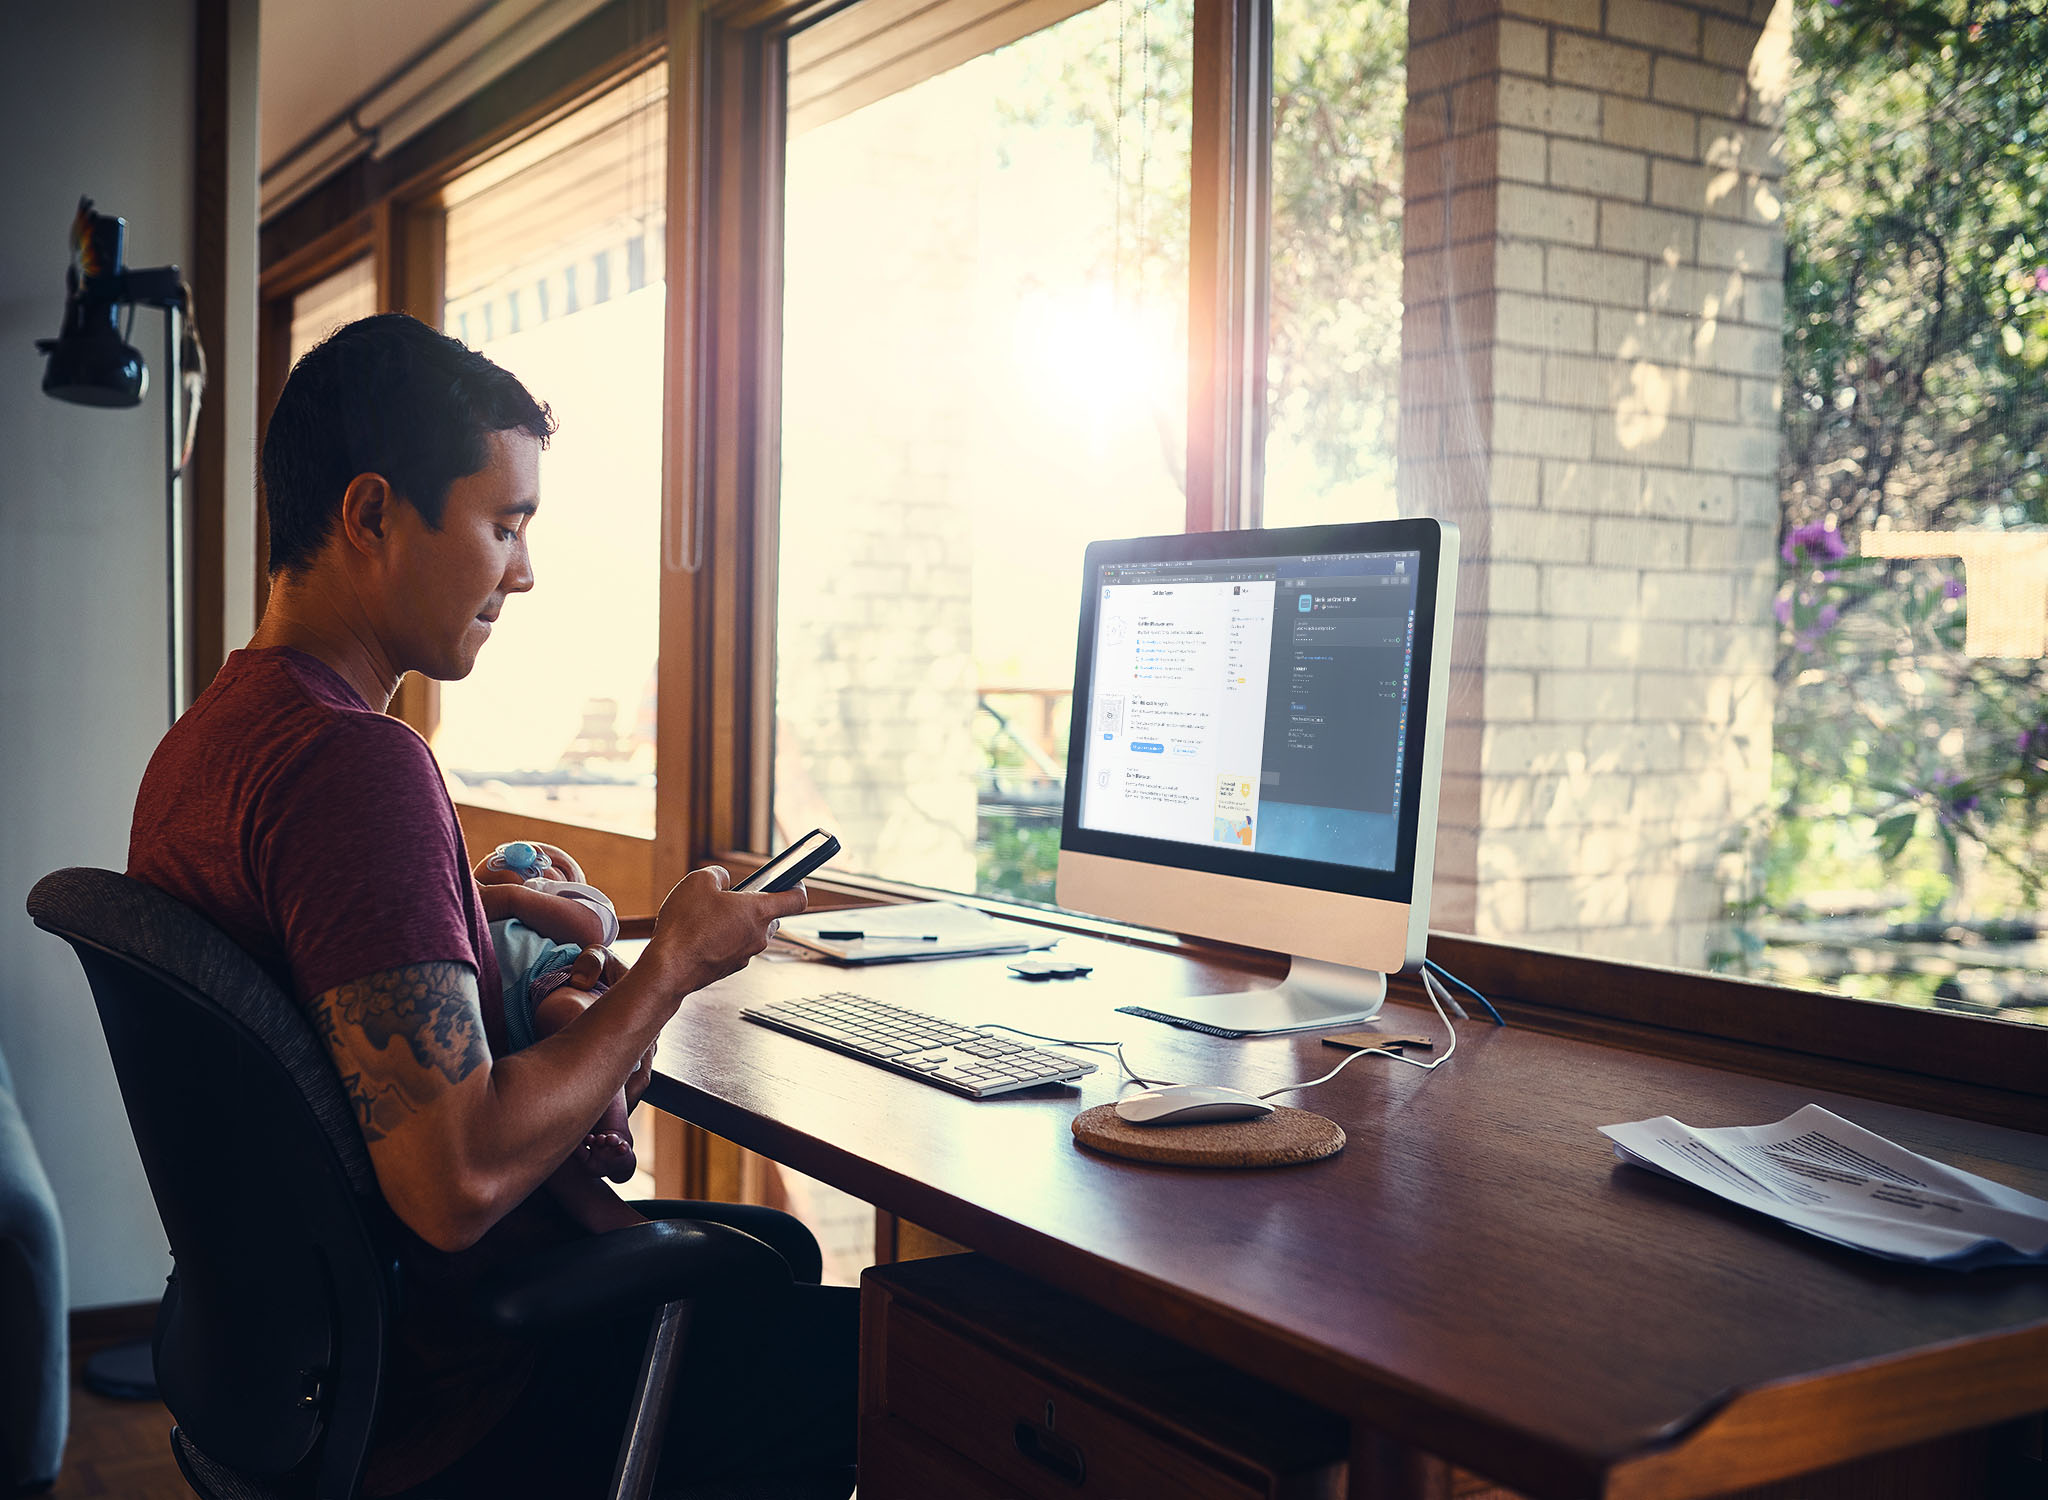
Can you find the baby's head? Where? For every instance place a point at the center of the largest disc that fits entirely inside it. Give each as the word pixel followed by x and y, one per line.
pixel 521 861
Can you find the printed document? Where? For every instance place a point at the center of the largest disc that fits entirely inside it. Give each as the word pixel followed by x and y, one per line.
pixel 1817 1172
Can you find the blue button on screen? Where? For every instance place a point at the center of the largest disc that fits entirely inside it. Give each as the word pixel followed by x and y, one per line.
pixel 1148 747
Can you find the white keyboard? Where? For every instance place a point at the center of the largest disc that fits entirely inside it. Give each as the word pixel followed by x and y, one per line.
pixel 975 1063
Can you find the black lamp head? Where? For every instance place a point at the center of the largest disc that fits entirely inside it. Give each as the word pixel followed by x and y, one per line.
pixel 90 363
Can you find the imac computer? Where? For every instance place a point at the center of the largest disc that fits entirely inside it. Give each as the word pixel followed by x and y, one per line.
pixel 1257 741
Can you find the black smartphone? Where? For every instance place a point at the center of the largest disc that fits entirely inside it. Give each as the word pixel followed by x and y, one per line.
pixel 793 863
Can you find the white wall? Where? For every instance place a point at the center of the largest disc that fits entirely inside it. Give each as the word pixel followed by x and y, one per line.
pixel 94 99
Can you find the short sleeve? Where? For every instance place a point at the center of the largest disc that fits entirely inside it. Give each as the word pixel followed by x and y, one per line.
pixel 359 859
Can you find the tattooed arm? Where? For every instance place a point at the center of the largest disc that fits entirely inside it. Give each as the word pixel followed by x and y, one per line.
pixel 457 1137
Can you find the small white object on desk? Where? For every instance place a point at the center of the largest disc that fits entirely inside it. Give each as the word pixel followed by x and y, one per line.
pixel 1818 1172
pixel 910 931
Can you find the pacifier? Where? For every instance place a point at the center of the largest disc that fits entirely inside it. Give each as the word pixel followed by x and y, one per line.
pixel 520 857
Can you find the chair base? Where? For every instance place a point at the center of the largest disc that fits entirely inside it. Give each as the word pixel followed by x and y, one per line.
pixel 125 1372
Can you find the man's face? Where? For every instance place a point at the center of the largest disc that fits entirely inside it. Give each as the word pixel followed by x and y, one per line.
pixel 448 585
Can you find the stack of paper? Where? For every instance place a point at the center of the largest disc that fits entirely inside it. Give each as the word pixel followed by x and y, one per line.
pixel 912 930
pixel 1817 1172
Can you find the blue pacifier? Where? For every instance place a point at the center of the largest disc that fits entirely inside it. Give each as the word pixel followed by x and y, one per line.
pixel 522 859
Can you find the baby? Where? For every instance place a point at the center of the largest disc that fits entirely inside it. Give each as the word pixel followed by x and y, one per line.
pixel 543 915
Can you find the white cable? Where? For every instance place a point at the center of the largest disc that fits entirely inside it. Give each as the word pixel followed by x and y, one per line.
pixel 1115 1048
pixel 1432 987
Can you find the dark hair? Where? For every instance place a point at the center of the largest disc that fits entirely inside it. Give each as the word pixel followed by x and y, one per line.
pixel 384 395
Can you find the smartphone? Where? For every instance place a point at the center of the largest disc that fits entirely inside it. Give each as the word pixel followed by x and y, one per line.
pixel 793 863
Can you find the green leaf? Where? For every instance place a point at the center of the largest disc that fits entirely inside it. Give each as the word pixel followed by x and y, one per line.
pixel 1894 833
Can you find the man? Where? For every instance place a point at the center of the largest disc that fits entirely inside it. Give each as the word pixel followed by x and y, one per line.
pixel 401 474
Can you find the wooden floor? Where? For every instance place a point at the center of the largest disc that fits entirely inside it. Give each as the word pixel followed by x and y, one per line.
pixel 117 1447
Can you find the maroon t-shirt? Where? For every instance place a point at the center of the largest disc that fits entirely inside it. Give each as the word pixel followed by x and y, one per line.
pixel 317 833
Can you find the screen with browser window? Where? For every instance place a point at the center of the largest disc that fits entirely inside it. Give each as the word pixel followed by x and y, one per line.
pixel 1257 704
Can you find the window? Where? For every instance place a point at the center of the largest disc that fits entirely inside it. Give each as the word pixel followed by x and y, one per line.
pixel 348 294
pixel 984 367
pixel 1333 361
pixel 554 268
pixel 1903 858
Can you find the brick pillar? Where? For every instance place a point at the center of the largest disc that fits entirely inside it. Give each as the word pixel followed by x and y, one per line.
pixel 1590 359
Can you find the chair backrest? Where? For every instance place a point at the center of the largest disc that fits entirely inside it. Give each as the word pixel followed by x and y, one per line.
pixel 271 1337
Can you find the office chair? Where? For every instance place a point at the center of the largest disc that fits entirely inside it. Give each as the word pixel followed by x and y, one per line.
pixel 270 1340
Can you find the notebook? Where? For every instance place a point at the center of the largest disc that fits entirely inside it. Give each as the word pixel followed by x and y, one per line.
pixel 915 930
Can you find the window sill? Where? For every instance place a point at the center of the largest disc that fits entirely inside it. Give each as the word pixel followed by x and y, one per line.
pixel 1976 1067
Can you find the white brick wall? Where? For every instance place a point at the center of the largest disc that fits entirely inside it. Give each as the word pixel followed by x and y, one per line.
pixel 1592 342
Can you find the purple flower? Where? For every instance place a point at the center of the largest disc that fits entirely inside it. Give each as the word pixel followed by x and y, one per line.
pixel 2033 745
pixel 1816 538
pixel 2041 279
pixel 1953 588
pixel 1945 784
pixel 1827 616
pixel 1783 610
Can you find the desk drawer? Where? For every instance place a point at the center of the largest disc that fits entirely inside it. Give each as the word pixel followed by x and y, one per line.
pixel 1033 1395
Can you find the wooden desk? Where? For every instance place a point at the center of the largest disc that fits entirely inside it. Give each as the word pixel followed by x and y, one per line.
pixel 1475 1276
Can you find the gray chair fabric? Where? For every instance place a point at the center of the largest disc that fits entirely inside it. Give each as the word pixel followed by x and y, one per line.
pixel 130 917
pixel 215 1481
pixel 35 1386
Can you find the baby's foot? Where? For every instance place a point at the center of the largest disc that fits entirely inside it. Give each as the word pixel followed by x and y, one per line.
pixel 608 1153
pixel 608 1150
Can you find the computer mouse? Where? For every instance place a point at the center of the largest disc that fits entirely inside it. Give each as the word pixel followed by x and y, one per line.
pixel 1190 1104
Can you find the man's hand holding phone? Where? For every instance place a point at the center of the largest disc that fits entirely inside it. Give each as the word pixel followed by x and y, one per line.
pixel 706 931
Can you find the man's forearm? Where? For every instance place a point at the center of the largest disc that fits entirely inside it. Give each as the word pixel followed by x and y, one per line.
pixel 459 1137
pixel 535 1106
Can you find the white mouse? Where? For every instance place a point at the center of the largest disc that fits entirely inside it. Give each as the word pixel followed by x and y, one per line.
pixel 1190 1104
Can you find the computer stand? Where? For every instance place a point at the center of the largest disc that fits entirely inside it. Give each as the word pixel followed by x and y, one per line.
pixel 1313 994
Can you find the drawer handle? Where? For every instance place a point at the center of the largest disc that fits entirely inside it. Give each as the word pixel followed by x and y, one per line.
pixel 1055 1455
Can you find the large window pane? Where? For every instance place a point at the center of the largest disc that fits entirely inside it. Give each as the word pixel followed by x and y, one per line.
pixel 1904 857
pixel 1334 357
pixel 554 269
pixel 984 369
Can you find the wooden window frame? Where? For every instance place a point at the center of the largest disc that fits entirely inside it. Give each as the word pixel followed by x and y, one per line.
pixel 715 714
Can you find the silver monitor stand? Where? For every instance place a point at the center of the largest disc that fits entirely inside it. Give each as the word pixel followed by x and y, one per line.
pixel 1313 994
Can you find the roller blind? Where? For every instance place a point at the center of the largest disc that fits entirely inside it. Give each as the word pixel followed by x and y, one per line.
pixel 566 221
pixel 880 47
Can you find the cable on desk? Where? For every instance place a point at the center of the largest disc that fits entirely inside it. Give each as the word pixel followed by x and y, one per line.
pixel 1108 1049
pixel 1443 973
pixel 1437 995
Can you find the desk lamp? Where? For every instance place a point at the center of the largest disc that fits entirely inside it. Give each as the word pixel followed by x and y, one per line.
pixel 91 363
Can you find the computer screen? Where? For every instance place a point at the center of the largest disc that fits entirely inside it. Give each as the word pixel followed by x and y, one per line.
pixel 1257 726
pixel 1257 704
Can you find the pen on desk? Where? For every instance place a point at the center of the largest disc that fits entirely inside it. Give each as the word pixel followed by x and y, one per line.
pixel 850 935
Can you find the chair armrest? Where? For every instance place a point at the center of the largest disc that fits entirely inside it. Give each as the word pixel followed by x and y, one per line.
pixel 625 1271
